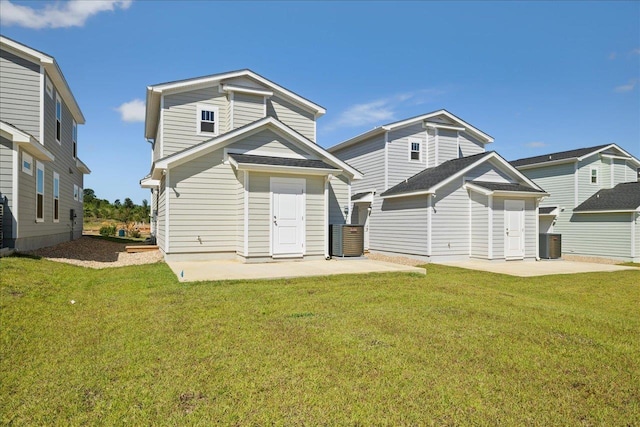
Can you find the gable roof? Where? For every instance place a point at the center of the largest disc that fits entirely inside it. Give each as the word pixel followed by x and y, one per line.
pixel 623 197
pixel 154 93
pixel 505 186
pixel 250 159
pixel 429 180
pixel 53 70
pixel 237 134
pixel 566 156
pixel 461 125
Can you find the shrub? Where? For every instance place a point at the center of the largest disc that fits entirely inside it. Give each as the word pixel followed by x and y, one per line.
pixel 134 233
pixel 108 230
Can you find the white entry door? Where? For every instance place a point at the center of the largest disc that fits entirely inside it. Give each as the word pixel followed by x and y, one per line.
pixel 287 221
pixel 514 229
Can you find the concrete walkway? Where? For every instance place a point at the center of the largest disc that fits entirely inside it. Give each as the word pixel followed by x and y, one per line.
pixel 536 268
pixel 191 271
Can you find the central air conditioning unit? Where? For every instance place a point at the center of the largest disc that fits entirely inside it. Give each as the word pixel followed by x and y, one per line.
pixel 347 240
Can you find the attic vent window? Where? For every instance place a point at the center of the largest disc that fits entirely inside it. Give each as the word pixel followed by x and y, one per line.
pixel 207 120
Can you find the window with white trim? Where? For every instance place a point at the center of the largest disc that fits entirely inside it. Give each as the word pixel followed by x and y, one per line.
pixel 58 118
pixel 415 150
pixel 593 175
pixel 207 120
pixel 74 139
pixel 39 192
pixel 75 192
pixel 56 197
pixel 27 163
pixel 48 86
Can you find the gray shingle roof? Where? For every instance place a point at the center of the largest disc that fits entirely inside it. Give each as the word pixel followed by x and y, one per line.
pixel 359 196
pixel 546 210
pixel 551 157
pixel 500 186
pixel 622 197
pixel 432 176
pixel 280 161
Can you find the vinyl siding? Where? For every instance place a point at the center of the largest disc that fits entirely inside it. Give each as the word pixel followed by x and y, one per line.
pixel 31 233
pixel 6 188
pixel 338 199
pixel 399 225
pixel 431 148
pixel 498 228
pixel 240 213
pixel 293 116
pixel 479 225
pixel 20 93
pixel 161 226
pixel 180 118
pixel 558 181
pixel 469 145
pixel 619 171
pixel 450 221
pixel 489 173
pixel 400 167
pixel 247 109
pixel 447 145
pixel 606 235
pixel 368 158
pixel 585 188
pixel 631 173
pixel 267 142
pixel 203 203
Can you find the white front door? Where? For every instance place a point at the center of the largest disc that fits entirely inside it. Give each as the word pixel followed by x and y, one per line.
pixel 287 221
pixel 514 229
pixel 363 219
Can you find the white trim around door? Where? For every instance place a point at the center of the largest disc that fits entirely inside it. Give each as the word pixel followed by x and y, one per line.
pixel 288 203
pixel 514 229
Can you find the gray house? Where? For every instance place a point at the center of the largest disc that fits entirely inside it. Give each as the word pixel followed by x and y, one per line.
pixel 41 176
pixel 431 190
pixel 236 172
pixel 595 200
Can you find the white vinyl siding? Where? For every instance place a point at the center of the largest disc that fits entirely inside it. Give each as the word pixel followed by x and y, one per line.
pixel 161 224
pixel 302 121
pixel 469 145
pixel 180 117
pixel 447 145
pixel 400 168
pixel 479 225
pixel 450 221
pixel 368 158
pixel 399 225
pixel 619 171
pixel 586 188
pixel 489 173
pixel 247 109
pixel 598 235
pixel 240 212
pixel 558 181
pixel 20 93
pixel 338 200
pixel 267 142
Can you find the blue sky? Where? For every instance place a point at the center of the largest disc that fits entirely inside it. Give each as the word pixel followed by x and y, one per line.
pixel 537 76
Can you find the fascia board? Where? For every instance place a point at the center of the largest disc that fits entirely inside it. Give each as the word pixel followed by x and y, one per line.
pixel 284 169
pixel 363 136
pixel 607 211
pixel 82 167
pixel 413 193
pixel 477 189
pixel 519 193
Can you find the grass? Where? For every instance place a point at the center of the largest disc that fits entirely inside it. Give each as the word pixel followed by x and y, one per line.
pixel 454 347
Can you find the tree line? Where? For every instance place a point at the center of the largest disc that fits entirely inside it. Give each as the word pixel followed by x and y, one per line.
pixel 125 211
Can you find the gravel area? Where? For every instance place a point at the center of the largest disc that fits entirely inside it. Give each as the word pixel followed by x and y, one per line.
pixel 395 259
pixel 96 253
pixel 597 260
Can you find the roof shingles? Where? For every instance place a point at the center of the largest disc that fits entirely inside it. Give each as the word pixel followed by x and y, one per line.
pixel 622 197
pixel 562 155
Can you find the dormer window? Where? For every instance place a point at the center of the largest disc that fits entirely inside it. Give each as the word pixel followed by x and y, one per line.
pixel 415 150
pixel 207 120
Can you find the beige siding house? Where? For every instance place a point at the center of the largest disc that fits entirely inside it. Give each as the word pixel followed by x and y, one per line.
pixel 41 175
pixel 431 190
pixel 237 172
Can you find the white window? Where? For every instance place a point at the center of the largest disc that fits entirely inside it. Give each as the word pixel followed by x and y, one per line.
pixel 75 192
pixel 415 150
pixel 594 175
pixel 58 118
pixel 48 86
pixel 56 197
pixel 27 163
pixel 39 192
pixel 207 120
pixel 74 137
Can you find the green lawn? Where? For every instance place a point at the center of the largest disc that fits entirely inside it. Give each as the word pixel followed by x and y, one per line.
pixel 451 347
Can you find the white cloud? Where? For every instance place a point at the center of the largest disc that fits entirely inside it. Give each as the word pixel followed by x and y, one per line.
pixel 132 111
pixel 635 51
pixel 536 144
pixel 612 56
pixel 380 111
pixel 626 88
pixel 72 13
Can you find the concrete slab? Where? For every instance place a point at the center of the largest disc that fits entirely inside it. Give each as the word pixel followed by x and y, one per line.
pixel 191 271
pixel 536 268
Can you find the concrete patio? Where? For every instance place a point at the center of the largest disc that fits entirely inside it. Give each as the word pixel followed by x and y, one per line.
pixel 536 268
pixel 192 271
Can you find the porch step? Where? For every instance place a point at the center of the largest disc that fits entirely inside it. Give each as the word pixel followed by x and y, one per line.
pixel 141 248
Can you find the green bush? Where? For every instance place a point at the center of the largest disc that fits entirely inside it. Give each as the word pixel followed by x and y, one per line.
pixel 108 230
